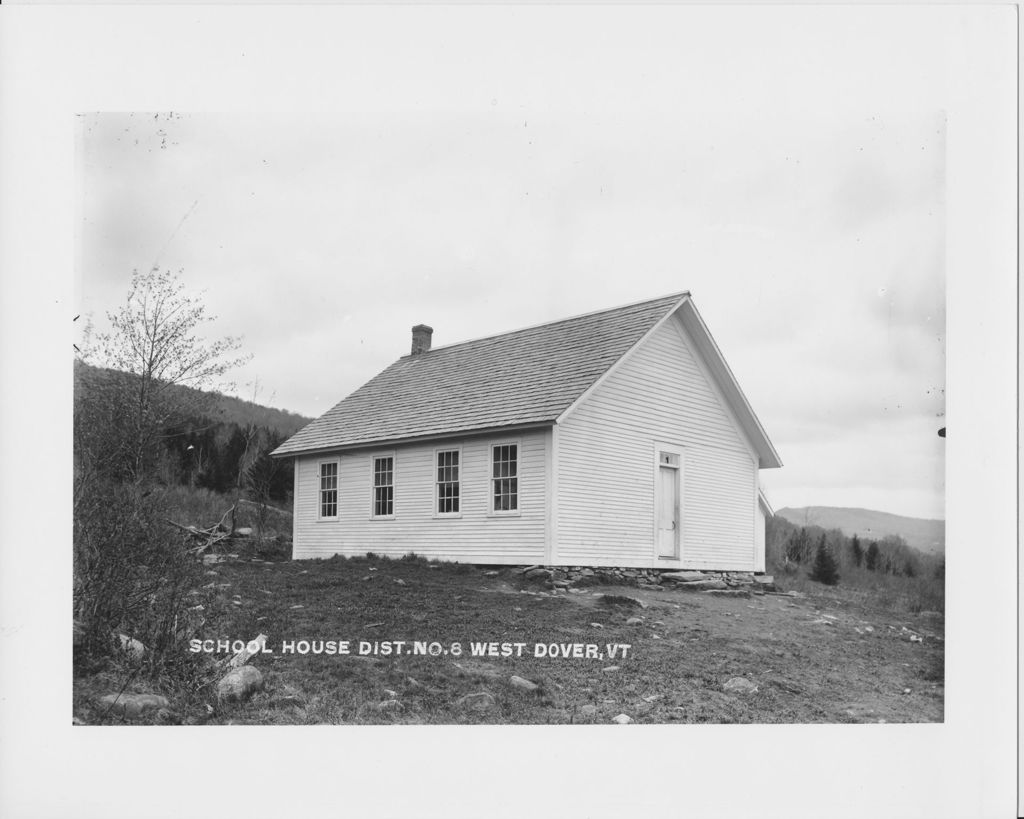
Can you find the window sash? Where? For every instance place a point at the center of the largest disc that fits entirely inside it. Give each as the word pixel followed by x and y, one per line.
pixel 505 478
pixel 384 486
pixel 329 489
pixel 447 481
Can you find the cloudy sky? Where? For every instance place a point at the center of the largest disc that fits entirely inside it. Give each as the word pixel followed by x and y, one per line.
pixel 794 183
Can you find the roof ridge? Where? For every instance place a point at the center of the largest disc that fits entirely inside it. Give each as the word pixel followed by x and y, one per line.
pixel 539 325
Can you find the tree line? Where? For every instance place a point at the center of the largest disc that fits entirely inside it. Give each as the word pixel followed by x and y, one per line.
pixel 828 554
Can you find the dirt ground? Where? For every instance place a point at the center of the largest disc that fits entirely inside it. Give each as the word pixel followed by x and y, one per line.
pixel 832 657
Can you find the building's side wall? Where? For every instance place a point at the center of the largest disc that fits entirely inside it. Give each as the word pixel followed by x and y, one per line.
pixel 477 536
pixel 759 540
pixel 605 456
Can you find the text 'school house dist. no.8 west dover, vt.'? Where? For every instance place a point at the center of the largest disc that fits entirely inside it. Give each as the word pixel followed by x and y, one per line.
pixel 617 438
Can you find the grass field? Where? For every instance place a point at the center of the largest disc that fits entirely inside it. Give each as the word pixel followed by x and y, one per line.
pixel 834 655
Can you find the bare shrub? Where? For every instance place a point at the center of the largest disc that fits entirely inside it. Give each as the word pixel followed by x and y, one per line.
pixel 132 575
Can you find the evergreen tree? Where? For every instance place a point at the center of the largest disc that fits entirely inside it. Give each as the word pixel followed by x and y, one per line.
pixel 825 570
pixel 871 557
pixel 797 546
pixel 857 551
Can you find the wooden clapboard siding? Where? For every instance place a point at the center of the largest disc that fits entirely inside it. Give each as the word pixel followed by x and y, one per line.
pixel 476 536
pixel 605 456
pixel 759 540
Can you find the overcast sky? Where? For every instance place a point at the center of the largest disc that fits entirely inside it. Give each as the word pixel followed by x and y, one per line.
pixel 794 183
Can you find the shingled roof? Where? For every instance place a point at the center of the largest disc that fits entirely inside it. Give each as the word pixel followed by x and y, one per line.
pixel 519 379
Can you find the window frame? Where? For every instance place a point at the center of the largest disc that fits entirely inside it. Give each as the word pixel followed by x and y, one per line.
pixel 437 484
pixel 504 513
pixel 373 484
pixel 320 464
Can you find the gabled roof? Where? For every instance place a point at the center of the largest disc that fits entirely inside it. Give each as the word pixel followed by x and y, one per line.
pixel 525 378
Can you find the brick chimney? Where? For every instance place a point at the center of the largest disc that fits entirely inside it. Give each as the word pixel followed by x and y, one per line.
pixel 421 335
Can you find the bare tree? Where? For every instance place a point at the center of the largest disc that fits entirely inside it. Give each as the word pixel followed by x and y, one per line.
pixel 132 571
pixel 154 337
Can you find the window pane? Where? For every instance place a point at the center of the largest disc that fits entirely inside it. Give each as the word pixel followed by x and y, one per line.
pixel 329 489
pixel 383 483
pixel 448 481
pixel 504 469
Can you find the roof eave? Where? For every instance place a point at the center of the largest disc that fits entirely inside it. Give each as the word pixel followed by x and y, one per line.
pixel 381 443
pixel 768 457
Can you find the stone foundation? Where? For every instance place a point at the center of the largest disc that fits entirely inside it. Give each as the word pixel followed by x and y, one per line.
pixel 564 577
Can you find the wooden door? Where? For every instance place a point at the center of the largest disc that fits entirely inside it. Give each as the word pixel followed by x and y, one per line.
pixel 667 505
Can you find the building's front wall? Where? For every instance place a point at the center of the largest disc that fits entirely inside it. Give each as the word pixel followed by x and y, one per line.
pixel 476 535
pixel 606 466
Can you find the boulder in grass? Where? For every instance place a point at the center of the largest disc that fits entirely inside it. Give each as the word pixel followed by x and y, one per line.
pixel 239 684
pixel 525 685
pixel 740 685
pixel 622 719
pixel 133 706
pixel 479 701
pixel 132 647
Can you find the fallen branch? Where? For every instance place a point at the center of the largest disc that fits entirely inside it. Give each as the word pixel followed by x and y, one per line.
pixel 192 530
pixel 213 540
pixel 220 525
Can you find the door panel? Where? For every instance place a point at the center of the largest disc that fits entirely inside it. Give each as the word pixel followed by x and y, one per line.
pixel 668 511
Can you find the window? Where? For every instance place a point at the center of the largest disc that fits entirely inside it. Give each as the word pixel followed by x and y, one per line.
pixel 448 481
pixel 505 478
pixel 329 489
pixel 384 486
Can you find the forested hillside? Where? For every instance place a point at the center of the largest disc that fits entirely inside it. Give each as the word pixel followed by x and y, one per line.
pixel 214 440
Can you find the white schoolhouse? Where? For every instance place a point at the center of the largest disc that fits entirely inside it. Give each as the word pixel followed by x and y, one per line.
pixel 617 438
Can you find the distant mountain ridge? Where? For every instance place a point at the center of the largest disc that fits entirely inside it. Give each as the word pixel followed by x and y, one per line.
pixel 925 535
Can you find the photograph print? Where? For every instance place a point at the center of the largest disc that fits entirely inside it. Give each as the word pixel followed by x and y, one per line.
pixel 521 412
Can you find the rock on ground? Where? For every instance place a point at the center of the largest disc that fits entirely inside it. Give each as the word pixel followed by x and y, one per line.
pixel 133 705
pixel 525 685
pixel 132 647
pixel 622 719
pixel 479 701
pixel 683 576
pixel 239 684
pixel 740 685
pixel 701 585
